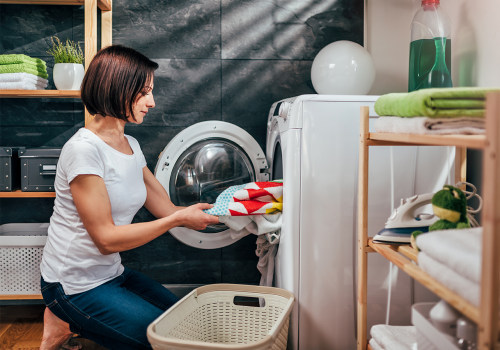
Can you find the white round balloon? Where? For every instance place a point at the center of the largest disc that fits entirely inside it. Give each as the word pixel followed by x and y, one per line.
pixel 343 68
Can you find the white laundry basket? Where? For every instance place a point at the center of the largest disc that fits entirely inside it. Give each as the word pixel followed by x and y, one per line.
pixel 21 247
pixel 208 318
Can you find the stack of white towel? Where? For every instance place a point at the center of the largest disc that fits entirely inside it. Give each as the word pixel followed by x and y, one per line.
pixel 453 257
pixel 431 126
pixel 386 337
pixel 21 72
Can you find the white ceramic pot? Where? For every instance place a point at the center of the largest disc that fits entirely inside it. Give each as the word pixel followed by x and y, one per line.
pixel 68 76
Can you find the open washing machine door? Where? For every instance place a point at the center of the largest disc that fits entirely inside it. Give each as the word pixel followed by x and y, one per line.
pixel 202 161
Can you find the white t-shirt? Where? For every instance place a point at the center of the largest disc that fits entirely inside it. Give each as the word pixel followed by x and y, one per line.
pixel 70 256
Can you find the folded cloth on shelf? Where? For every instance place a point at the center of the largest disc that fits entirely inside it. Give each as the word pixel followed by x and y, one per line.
pixel 24 68
pixel 258 198
pixel 23 77
pixel 394 337
pixel 435 103
pixel 21 58
pixel 375 346
pixel 459 249
pixel 21 85
pixel 456 282
pixel 430 126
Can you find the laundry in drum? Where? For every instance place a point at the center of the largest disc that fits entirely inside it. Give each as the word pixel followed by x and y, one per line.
pixel 253 198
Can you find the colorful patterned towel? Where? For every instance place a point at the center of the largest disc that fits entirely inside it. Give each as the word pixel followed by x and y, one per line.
pixel 253 198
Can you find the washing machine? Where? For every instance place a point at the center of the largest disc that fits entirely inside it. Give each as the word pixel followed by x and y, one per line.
pixel 312 144
pixel 199 163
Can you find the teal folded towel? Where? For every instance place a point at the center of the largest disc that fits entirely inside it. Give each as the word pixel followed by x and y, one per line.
pixel 24 68
pixel 20 58
pixel 435 103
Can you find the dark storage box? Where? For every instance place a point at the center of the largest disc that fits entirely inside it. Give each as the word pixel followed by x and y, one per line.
pixel 9 169
pixel 38 168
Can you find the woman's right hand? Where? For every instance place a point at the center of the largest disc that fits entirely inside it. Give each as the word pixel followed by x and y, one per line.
pixel 195 218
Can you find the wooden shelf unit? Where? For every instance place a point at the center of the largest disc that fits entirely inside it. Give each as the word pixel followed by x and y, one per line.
pixel 90 46
pixel 486 315
pixel 40 93
pixel 90 49
pixel 21 194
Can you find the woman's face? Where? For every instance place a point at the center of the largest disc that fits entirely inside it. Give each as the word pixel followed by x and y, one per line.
pixel 144 102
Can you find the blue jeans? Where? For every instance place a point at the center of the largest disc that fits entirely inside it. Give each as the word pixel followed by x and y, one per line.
pixel 115 314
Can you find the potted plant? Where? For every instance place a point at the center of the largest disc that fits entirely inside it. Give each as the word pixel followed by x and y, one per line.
pixel 68 68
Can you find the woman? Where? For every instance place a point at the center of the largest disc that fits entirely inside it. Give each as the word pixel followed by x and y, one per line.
pixel 102 181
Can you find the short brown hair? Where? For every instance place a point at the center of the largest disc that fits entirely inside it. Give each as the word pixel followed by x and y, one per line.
pixel 114 79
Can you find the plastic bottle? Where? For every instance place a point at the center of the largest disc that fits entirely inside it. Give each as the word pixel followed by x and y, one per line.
pixel 430 48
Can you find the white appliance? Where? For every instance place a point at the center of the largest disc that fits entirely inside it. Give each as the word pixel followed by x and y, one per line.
pixel 199 163
pixel 312 144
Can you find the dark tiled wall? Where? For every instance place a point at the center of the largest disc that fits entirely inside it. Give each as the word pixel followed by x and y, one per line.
pixel 219 60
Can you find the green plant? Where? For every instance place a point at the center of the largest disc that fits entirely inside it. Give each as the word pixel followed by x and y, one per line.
pixel 68 52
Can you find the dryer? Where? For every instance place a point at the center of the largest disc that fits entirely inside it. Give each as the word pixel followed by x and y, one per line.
pixel 312 144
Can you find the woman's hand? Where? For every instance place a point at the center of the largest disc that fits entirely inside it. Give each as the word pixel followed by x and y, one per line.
pixel 195 218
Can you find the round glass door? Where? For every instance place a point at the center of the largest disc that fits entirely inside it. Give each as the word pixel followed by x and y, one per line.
pixel 206 169
pixel 202 161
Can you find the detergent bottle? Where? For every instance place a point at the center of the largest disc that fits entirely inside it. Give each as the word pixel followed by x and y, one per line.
pixel 430 48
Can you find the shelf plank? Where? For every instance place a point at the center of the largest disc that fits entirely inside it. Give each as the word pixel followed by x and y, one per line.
pixel 469 141
pixel 408 251
pixel 104 5
pixel 40 93
pixel 21 297
pixel 391 253
pixel 21 194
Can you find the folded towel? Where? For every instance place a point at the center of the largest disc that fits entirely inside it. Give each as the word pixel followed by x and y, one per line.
pixel 460 250
pixel 374 345
pixel 263 198
pixel 434 103
pixel 394 337
pixel 20 58
pixel 461 285
pixel 24 68
pixel 430 126
pixel 21 85
pixel 22 77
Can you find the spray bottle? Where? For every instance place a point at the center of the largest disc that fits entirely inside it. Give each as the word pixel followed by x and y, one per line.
pixel 430 48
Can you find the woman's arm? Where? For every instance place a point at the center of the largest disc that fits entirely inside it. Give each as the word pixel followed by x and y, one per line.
pixel 157 201
pixel 93 205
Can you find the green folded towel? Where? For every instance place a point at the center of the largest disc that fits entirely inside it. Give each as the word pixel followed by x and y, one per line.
pixel 24 68
pixel 20 58
pixel 435 103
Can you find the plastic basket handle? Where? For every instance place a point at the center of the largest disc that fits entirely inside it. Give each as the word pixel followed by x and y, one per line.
pixel 246 290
